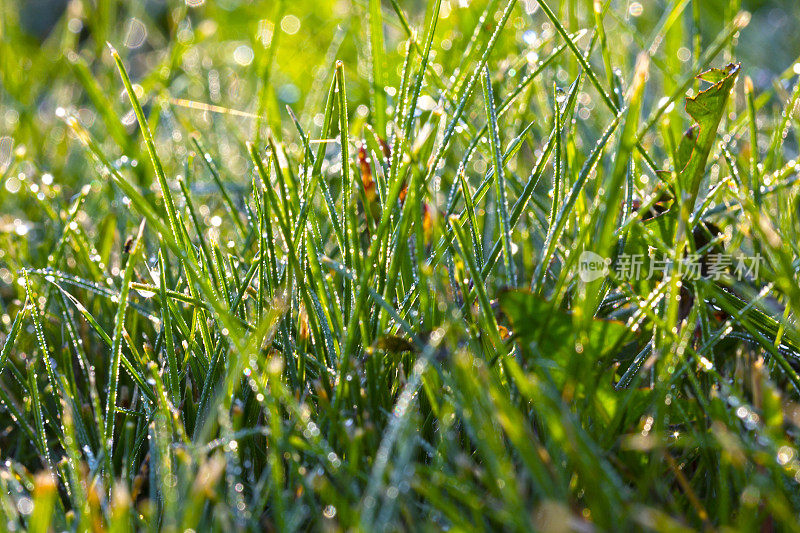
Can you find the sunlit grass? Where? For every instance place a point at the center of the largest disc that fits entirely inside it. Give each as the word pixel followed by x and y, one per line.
pixel 323 266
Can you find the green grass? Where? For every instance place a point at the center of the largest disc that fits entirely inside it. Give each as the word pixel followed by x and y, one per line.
pixel 316 265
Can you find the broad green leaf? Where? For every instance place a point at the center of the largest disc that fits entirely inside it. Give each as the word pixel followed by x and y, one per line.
pixel 552 333
pixel 707 109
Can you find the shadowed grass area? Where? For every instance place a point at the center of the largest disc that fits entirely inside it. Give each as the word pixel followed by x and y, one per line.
pixel 372 265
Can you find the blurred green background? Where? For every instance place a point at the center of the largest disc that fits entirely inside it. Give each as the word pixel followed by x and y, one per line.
pixel 214 52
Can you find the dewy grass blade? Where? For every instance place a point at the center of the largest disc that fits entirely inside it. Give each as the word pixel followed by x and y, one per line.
pixel 499 179
pixel 169 203
pixel 316 171
pixel 754 178
pixel 38 417
pixel 472 47
pixel 473 221
pixel 378 60
pixel 557 156
pixel 8 343
pixel 87 315
pixel 44 349
pixel 116 347
pixel 351 250
pixel 483 188
pixel 173 378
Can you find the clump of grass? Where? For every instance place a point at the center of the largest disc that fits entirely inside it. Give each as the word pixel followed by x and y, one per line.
pixel 369 310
